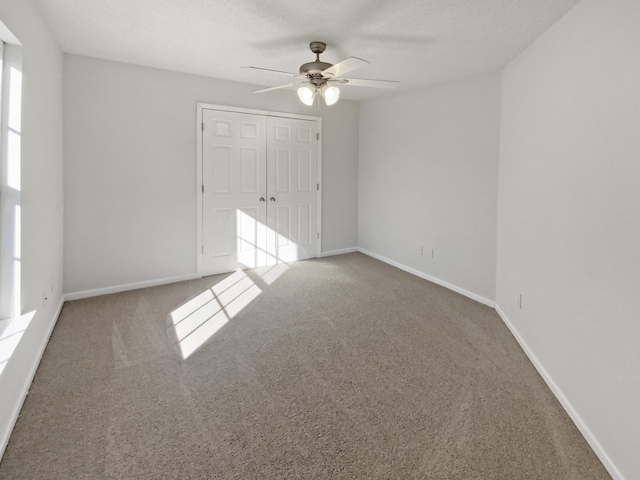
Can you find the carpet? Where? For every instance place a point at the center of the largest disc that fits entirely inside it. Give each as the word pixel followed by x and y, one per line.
pixel 341 367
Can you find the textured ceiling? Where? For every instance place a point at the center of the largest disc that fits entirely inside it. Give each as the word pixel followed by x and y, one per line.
pixel 417 42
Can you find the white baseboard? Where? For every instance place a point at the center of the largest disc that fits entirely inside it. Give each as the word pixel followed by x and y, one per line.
pixel 564 401
pixel 31 369
pixel 331 253
pixel 128 286
pixel 442 283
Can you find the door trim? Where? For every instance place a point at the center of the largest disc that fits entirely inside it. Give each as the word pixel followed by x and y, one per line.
pixel 266 113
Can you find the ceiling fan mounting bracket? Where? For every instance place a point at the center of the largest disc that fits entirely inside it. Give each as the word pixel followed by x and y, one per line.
pixel 317 47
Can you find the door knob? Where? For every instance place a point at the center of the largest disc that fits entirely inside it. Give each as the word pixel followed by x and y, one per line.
pixel 272 199
pixel 262 199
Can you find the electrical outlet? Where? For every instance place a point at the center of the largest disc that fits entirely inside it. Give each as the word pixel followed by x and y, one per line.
pixel 430 252
pixel 420 250
pixel 378 236
pixel 44 298
pixel 519 299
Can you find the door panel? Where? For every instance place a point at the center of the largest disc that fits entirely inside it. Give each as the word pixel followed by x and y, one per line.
pixel 221 235
pixel 249 169
pixel 304 224
pixel 218 169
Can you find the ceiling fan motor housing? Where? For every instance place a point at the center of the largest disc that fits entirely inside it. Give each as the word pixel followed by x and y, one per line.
pixel 314 70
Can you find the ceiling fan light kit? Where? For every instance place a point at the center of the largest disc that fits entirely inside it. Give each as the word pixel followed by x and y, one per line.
pixel 318 77
pixel 306 95
pixel 330 94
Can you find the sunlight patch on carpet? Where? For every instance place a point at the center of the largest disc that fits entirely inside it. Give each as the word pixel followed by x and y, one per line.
pixel 200 318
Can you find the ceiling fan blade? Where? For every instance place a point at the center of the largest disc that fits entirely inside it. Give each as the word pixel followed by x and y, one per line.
pixel 279 87
pixel 344 66
pixel 364 82
pixel 279 72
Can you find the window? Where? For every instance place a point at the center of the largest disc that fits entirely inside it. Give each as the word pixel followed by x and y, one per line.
pixel 13 323
pixel 10 214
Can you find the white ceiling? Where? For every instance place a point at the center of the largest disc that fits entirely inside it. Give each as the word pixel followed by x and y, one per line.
pixel 417 42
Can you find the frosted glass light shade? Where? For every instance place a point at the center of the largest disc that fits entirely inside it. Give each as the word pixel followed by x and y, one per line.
pixel 306 95
pixel 331 94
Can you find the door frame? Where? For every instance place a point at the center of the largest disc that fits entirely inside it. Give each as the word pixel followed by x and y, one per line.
pixel 266 113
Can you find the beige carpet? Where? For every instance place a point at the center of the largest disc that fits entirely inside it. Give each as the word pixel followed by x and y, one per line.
pixel 341 367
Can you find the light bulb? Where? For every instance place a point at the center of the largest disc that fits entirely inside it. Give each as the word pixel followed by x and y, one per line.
pixel 330 94
pixel 306 95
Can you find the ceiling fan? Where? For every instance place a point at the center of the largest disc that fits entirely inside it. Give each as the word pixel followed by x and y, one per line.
pixel 322 77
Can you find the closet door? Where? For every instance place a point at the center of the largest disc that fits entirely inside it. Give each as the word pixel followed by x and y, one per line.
pixel 292 189
pixel 234 205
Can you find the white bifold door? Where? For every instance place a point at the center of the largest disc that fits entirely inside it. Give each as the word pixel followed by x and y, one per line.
pixel 259 190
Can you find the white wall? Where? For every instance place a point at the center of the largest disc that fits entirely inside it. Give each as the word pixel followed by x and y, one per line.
pixel 130 169
pixel 569 216
pixel 41 198
pixel 428 176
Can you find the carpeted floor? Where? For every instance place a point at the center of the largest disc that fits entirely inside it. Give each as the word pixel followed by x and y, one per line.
pixel 342 367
